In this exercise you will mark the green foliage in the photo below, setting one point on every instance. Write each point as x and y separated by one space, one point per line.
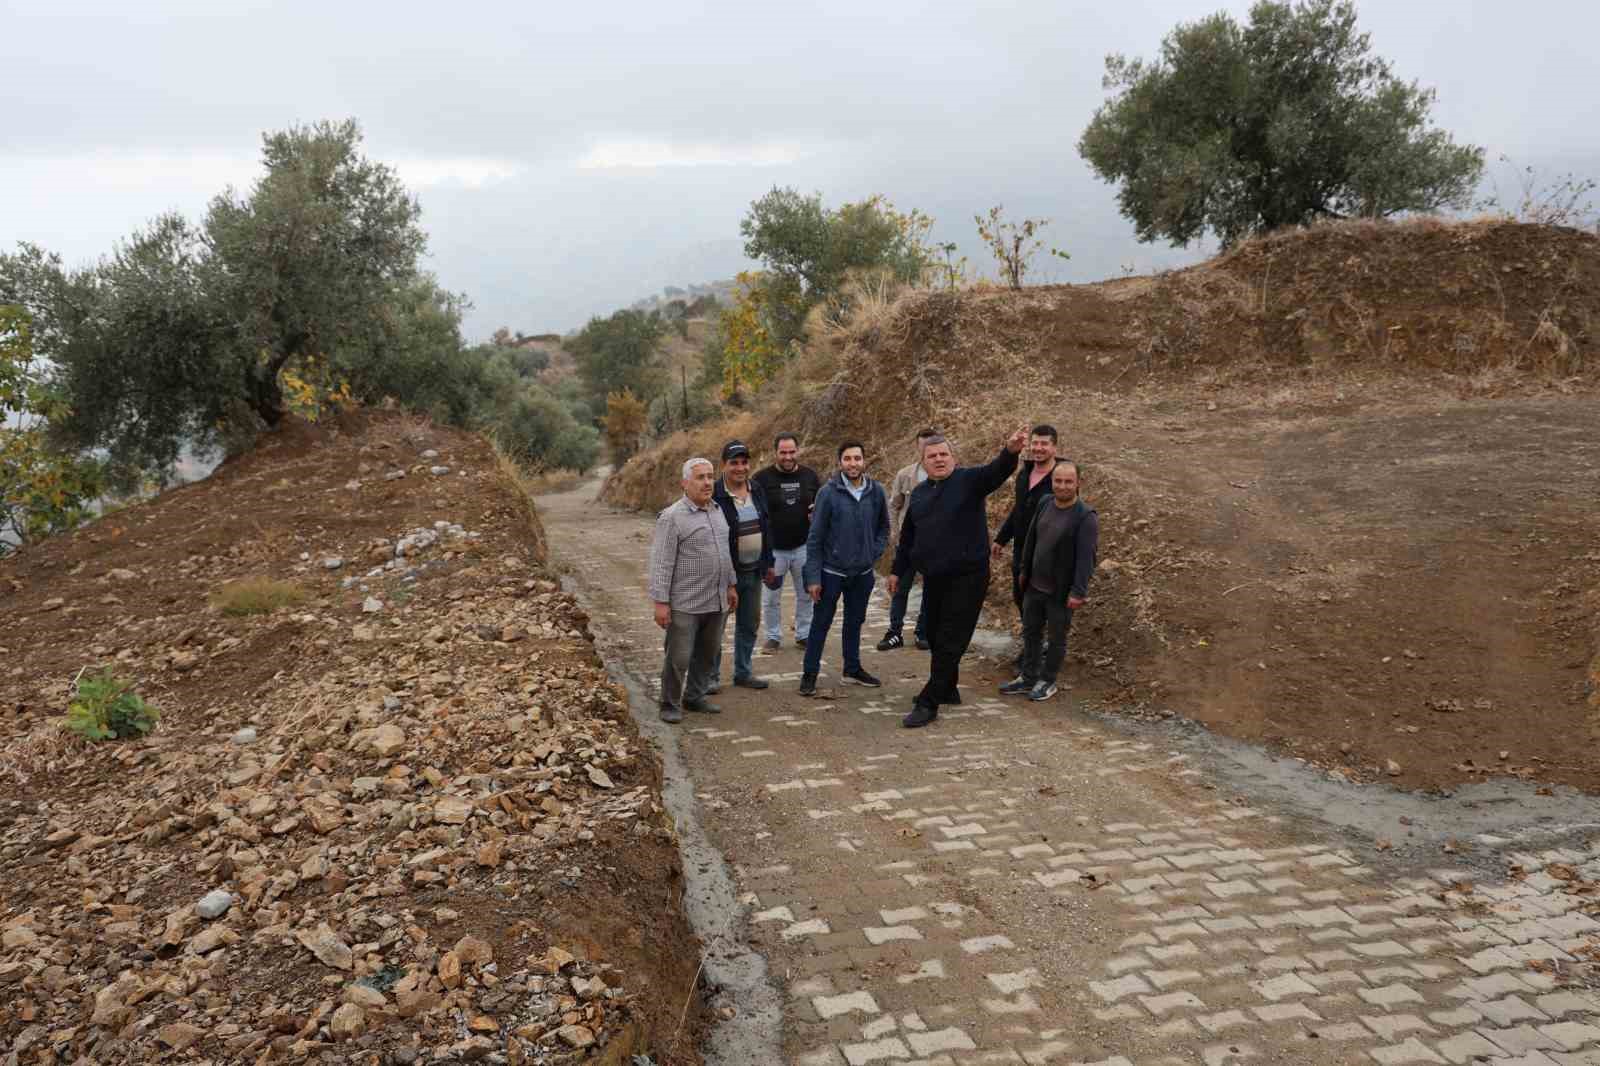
810 250
538 430
1241 129
1013 244
43 489
618 352
107 708
182 334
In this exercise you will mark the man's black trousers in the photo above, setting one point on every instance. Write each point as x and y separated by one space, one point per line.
953 605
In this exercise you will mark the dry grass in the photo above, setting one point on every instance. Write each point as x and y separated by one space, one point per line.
523 487
257 595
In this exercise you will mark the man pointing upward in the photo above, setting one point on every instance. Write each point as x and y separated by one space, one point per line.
945 537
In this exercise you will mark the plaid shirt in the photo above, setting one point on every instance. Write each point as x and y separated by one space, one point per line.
690 567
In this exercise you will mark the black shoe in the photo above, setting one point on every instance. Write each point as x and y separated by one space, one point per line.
750 682
773 644
1017 686
800 642
1042 691
671 715
861 677
890 642
922 644
808 684
714 689
921 714
701 707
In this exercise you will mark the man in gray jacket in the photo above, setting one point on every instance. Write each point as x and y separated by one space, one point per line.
693 584
849 530
1058 559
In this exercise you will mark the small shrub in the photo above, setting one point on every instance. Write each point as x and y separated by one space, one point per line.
257 595
107 708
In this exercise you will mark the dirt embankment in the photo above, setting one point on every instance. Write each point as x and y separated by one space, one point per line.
1348 479
407 817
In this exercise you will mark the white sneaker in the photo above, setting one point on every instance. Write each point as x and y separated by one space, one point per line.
1042 691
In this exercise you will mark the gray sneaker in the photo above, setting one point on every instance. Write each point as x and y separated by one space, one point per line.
1042 691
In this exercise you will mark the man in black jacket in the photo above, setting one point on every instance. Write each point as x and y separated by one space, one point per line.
790 490
945 537
744 505
1032 486
1058 560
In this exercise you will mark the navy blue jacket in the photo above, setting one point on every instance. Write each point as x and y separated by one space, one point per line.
946 531
730 511
847 535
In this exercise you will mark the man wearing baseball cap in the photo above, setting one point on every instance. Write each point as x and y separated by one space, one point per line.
744 506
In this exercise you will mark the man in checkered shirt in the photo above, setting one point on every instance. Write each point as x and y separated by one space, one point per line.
692 582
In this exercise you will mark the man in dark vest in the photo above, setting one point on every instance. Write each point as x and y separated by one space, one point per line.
1032 487
744 507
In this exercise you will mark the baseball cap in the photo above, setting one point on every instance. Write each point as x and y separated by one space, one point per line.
733 449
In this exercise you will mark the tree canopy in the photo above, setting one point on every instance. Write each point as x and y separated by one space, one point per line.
1242 129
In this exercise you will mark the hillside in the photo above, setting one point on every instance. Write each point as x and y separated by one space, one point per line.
416 799
1349 481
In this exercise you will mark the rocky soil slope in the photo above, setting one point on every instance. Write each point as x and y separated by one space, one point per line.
405 819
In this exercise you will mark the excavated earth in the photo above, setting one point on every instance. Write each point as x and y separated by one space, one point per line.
422 821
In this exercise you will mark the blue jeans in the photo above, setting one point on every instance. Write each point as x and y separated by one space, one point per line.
789 561
901 600
856 591
745 623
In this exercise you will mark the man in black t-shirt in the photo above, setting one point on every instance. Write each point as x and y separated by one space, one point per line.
790 490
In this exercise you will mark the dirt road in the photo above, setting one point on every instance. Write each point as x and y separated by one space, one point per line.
1025 883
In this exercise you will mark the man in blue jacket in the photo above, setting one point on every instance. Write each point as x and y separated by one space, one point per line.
849 530
744 505
945 538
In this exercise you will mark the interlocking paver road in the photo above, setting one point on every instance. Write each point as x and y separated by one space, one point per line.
1022 884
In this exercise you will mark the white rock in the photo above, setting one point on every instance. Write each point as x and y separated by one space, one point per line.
437 470
214 904
371 605
247 735
332 562
431 453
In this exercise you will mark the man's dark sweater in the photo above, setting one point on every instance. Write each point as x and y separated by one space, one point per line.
1023 508
946 531
789 499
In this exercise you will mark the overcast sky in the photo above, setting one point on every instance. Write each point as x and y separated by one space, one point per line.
572 158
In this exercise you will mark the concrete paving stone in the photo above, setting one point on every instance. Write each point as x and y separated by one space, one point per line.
1383 975
1283 987
1520 1039
1159 1005
1181 950
1555 1004
1047 1052
1579 1058
928 970
1571 1035
828 1056
875 1051
1284 964
1164 979
1343 1031
1381 949
995 1057
1509 1011
832 1006
1323 960
934 1041
1111 991
1286 1012
885 934
1223 1020
1468 1047
1390 995
1022 1003
1122 1012
1412 1050
980 944
1392 1026
1167 933
879 1027
1123 963
1334 979
812 927
1233 924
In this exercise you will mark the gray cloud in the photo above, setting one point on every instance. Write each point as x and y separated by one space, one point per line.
126 110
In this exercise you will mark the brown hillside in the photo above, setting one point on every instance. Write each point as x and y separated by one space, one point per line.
1349 480
411 812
